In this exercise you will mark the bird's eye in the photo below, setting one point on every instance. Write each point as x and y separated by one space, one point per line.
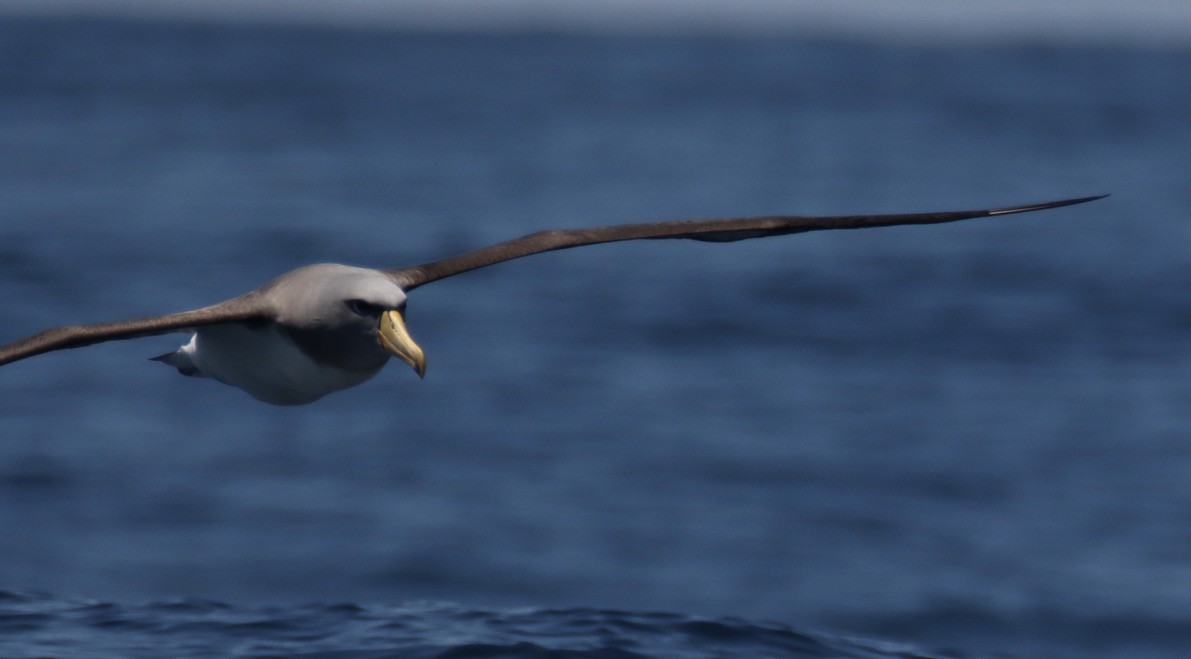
362 308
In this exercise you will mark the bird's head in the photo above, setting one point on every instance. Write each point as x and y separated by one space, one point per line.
347 316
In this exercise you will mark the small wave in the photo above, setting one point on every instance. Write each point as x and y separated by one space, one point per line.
43 625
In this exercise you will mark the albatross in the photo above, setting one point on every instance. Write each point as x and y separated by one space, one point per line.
325 327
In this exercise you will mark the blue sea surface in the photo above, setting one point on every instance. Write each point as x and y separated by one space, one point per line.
962 440
421 630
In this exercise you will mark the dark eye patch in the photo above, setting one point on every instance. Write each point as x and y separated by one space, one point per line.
362 308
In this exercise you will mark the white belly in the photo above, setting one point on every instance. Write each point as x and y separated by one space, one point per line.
267 365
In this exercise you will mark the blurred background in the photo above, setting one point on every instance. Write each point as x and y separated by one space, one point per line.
971 436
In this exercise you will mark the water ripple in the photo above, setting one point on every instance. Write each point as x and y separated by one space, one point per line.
38 625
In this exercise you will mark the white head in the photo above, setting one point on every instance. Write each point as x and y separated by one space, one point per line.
344 316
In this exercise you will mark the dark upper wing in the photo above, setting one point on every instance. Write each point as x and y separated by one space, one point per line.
719 230
244 308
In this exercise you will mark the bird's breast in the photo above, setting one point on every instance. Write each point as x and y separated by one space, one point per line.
272 366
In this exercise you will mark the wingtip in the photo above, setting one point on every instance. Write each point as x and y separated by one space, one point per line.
1048 204
1083 200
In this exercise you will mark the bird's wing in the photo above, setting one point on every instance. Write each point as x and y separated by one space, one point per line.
246 308
714 230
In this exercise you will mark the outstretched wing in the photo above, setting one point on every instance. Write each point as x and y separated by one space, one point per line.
246 308
716 230
253 306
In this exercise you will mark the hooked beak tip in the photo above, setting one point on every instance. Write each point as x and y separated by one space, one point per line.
395 339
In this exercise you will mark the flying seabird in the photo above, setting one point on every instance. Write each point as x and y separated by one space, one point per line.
326 327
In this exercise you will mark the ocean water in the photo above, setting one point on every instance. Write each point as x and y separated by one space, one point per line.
965 440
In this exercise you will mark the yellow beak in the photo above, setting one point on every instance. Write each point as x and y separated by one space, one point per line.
396 339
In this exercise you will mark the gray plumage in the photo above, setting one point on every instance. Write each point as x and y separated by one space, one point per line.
326 327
